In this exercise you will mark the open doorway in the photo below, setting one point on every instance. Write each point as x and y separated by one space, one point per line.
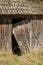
15 46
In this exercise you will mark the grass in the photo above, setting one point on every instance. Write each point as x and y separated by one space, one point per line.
32 58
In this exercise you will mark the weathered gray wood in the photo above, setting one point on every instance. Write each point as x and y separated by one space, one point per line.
22 35
37 34
29 35
5 36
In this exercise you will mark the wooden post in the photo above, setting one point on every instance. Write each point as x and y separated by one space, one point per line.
5 35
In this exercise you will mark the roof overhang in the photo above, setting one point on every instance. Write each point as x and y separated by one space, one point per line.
20 7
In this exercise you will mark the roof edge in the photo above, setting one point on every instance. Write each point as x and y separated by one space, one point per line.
18 15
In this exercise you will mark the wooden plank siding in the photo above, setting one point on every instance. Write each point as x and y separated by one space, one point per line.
37 34
28 34
5 36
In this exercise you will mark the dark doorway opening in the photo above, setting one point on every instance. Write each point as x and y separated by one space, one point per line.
15 46
16 20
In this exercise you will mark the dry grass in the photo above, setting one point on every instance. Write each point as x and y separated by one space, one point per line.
32 58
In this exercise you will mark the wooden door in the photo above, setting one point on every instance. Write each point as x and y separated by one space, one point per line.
21 32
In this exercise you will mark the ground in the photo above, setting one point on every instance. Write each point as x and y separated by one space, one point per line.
31 58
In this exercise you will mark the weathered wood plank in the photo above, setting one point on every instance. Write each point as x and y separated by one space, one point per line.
5 37
37 34
22 35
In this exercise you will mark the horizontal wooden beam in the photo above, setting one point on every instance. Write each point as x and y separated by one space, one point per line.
19 15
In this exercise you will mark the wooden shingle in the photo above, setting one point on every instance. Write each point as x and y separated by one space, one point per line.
20 7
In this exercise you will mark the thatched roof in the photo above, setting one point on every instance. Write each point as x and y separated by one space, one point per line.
21 7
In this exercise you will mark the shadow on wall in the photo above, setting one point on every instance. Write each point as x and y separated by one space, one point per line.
15 46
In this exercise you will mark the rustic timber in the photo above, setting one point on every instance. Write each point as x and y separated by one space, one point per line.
29 34
37 34
5 35
20 32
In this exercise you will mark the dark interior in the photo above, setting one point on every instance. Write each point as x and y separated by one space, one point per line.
15 46
16 20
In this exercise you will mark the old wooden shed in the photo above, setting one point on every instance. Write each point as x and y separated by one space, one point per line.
21 25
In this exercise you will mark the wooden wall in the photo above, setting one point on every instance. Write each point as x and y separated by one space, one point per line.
5 35
37 34
28 34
